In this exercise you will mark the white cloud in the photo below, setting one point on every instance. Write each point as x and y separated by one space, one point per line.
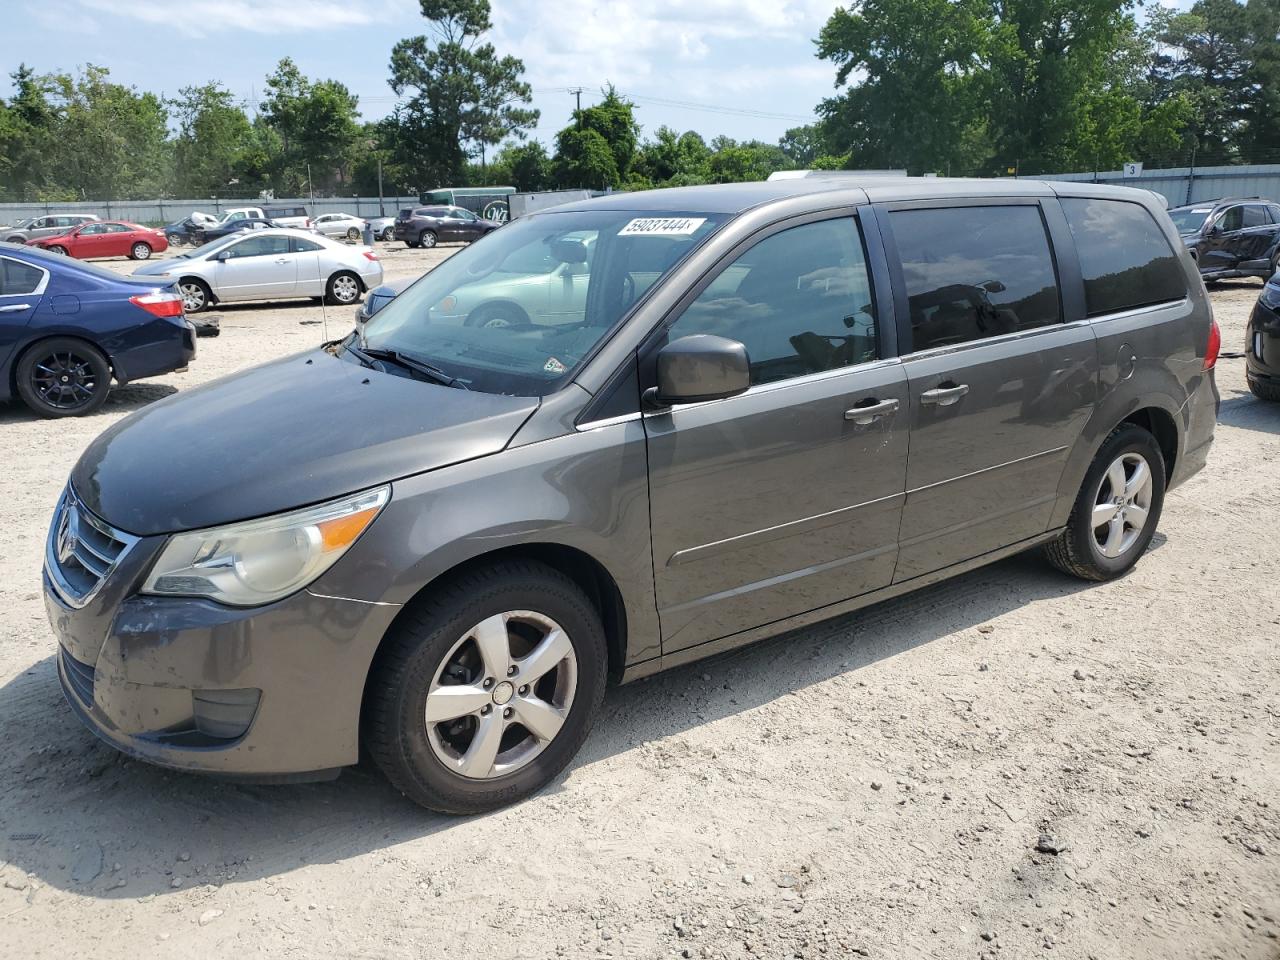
200 18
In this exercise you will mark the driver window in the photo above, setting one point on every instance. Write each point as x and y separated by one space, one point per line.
92 228
1232 219
799 300
975 272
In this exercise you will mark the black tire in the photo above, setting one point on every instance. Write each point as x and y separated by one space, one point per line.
1264 391
63 377
496 315
196 295
19 239
1076 550
60 251
388 234
428 239
413 244
343 289
140 251
395 726
353 234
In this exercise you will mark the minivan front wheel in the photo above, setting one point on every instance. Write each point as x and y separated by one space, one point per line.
485 692
1117 510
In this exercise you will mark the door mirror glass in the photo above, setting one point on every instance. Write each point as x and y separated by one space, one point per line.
701 367
569 250
222 255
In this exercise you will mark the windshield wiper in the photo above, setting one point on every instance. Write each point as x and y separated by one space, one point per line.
368 355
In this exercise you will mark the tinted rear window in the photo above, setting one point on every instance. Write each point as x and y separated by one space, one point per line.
1124 257
975 272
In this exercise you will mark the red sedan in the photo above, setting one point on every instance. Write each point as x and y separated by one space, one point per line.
110 238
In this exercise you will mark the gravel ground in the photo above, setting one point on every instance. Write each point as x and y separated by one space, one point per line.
1013 764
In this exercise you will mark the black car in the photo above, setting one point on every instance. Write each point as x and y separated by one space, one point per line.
1262 343
218 231
1231 237
183 231
427 226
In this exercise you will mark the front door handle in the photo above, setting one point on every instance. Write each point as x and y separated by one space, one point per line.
283 260
14 307
871 412
944 396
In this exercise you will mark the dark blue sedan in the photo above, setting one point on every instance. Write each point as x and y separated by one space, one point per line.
67 328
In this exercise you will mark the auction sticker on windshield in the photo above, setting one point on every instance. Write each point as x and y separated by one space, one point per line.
662 227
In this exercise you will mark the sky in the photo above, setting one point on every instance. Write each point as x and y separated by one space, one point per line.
742 68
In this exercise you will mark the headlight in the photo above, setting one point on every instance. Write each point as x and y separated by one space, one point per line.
1271 295
256 562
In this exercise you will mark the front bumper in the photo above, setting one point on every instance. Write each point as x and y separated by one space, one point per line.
193 685
1262 345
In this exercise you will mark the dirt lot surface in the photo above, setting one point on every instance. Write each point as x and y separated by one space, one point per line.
891 784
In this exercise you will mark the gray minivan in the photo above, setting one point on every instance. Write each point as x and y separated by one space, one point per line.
437 537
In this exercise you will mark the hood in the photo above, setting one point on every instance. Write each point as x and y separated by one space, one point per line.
287 434
50 238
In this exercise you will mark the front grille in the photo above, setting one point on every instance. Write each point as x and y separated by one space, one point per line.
82 550
79 677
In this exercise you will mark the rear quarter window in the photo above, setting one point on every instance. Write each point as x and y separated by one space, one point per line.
1125 260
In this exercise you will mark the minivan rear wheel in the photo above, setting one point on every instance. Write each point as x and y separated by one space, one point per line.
1117 510
483 693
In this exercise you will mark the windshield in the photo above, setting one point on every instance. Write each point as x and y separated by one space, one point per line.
207 248
517 312
1191 219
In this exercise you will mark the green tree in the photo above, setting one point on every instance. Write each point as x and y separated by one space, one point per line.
802 145
614 119
672 158
528 165
112 141
463 96
213 135
318 127
920 100
584 160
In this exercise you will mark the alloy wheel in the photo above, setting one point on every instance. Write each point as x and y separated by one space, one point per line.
65 380
1122 504
501 694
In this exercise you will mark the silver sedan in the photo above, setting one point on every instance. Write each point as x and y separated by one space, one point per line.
339 225
274 264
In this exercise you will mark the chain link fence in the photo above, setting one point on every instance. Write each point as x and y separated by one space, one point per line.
159 212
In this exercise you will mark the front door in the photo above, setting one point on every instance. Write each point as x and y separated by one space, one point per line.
257 268
1000 387
788 497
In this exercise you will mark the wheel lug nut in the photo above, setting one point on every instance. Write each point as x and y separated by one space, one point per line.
486 709
488 682
511 670
507 713
524 690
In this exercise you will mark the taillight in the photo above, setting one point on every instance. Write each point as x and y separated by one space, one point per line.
1213 346
308 223
159 304
370 255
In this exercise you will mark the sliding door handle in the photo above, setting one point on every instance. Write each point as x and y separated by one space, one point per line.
871 412
944 396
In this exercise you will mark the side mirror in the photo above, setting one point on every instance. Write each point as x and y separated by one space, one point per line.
569 250
222 255
700 367
1215 230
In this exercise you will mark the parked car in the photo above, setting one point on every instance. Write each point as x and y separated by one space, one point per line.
112 238
187 230
1262 343
225 228
379 297
339 225
384 228
427 226
288 215
1231 238
33 228
784 401
275 264
67 328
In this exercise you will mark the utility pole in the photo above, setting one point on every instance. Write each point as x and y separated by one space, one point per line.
381 211
577 113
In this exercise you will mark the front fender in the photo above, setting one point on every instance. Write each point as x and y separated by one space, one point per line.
586 490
